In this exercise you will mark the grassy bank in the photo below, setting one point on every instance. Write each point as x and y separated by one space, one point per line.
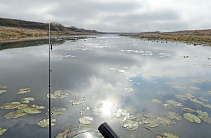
196 37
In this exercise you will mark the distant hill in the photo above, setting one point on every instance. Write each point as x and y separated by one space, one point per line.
38 25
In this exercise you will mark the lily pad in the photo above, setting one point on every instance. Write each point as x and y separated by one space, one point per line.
59 94
2 130
27 99
15 114
2 91
167 106
131 109
30 110
169 135
22 106
173 115
38 106
76 102
174 103
156 101
197 102
202 99
165 121
3 86
45 122
205 118
201 113
130 124
57 111
209 92
86 120
192 118
161 93
154 123
181 97
23 90
187 109
12 105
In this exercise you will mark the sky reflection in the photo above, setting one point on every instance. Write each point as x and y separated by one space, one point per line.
111 72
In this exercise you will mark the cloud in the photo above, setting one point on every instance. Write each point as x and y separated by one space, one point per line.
114 15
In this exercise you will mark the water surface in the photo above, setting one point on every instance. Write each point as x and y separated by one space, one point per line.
111 72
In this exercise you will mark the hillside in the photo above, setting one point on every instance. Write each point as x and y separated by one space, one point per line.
15 30
196 37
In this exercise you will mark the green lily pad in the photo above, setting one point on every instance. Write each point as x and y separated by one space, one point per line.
52 96
2 130
23 90
174 103
173 115
192 118
12 105
76 102
165 121
167 106
30 110
203 99
187 109
2 91
22 106
201 113
130 124
205 118
156 101
15 114
59 94
45 122
161 93
169 135
209 92
193 88
153 123
197 102
57 111
139 116
207 105
181 97
86 120
3 86
38 106
27 99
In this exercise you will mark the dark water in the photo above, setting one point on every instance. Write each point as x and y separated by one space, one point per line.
111 72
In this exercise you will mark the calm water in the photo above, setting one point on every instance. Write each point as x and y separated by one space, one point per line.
111 72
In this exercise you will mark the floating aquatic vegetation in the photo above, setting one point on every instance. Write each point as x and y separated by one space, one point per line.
38 106
4 86
2 91
202 99
169 135
197 102
207 105
153 122
192 118
130 124
76 102
45 122
181 97
161 93
2 130
22 106
30 110
59 94
201 113
118 113
187 109
167 106
57 111
173 115
86 120
156 101
174 103
15 114
23 90
193 88
12 105
139 116
201 81
27 99
209 92
189 96
165 121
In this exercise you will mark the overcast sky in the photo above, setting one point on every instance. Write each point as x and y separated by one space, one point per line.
114 15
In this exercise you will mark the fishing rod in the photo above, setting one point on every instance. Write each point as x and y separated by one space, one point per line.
49 71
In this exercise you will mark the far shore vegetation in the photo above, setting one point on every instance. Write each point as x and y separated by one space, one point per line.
195 37
18 30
